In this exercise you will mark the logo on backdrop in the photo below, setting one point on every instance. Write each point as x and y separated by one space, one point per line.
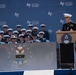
50 13
2 5
20 56
34 22
62 21
67 3
33 5
16 14
66 39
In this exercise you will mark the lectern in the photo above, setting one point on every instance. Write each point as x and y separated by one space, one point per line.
66 40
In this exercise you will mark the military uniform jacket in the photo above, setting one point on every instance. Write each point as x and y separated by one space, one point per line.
69 26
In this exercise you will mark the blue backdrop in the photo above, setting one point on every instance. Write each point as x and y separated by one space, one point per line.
49 12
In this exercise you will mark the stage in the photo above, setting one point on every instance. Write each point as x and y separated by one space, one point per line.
41 72
34 53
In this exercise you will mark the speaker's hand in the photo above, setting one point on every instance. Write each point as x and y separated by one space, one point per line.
71 29
59 30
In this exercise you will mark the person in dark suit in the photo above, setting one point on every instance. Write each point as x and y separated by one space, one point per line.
67 50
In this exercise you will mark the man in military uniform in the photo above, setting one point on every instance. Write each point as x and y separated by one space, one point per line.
69 25
5 28
23 31
35 40
9 31
30 26
21 38
18 28
13 39
67 50
1 40
41 38
35 30
6 39
46 33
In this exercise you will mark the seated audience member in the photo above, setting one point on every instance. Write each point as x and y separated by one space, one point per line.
21 38
29 32
46 34
1 33
35 40
13 39
23 31
26 38
18 28
5 27
6 39
41 38
35 30
10 31
30 26
1 40
15 33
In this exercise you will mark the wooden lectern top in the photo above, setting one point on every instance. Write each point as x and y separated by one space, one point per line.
67 32
59 34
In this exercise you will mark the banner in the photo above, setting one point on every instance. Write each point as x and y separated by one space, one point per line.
28 56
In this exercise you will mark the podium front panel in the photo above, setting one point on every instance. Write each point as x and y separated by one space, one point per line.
66 53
